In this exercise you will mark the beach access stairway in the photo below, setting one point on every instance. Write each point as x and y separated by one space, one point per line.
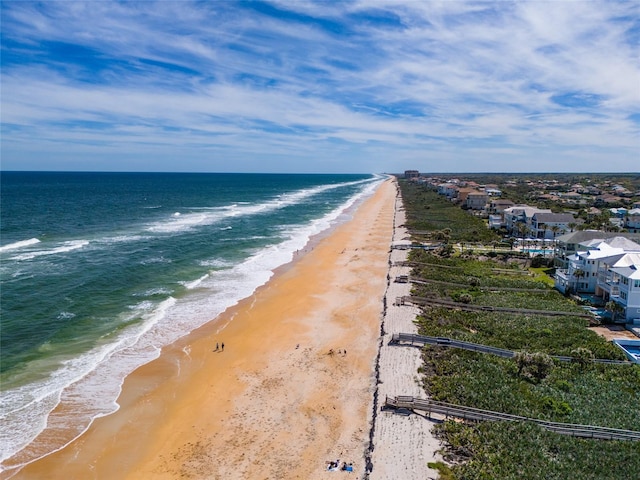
501 271
421 340
424 281
407 404
411 299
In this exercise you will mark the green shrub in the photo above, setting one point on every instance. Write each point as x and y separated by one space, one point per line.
556 406
533 366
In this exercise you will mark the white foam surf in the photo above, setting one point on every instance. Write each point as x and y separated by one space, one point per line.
21 244
91 383
64 247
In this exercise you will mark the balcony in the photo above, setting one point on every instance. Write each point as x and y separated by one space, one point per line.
608 279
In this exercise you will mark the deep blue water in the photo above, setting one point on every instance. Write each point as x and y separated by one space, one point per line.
100 270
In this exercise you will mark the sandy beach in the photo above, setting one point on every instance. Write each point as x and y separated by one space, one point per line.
402 446
294 386
292 389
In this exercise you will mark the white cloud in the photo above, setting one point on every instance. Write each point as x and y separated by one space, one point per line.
469 80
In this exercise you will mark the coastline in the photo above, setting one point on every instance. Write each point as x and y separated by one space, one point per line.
275 403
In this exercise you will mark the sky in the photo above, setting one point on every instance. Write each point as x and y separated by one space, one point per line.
321 86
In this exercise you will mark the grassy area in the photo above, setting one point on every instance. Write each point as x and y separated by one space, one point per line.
517 451
428 211
531 385
543 274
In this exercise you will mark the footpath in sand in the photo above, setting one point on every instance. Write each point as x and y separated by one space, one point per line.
402 445
276 404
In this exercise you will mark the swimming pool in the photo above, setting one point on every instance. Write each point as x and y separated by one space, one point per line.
538 251
631 348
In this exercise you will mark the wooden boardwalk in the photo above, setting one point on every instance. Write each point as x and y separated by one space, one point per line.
425 281
410 299
408 403
413 339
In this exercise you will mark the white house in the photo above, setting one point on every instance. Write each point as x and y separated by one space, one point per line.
520 214
549 225
619 281
581 274
450 190
570 243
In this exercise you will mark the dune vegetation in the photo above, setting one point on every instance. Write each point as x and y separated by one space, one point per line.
532 384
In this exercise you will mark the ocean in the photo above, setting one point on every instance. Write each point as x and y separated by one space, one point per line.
99 271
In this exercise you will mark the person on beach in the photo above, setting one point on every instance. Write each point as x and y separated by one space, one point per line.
217 347
223 346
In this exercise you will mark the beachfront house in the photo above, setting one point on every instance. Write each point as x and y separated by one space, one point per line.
517 219
581 274
570 243
619 282
549 225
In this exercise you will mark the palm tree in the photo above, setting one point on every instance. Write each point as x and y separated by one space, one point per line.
523 230
555 229
578 273
614 308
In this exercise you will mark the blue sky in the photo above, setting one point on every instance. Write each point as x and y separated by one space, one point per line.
308 86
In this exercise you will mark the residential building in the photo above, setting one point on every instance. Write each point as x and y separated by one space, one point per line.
449 190
570 243
499 205
581 273
495 222
520 215
477 200
632 221
549 225
619 281
463 193
618 212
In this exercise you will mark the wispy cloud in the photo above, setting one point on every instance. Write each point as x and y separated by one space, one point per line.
317 86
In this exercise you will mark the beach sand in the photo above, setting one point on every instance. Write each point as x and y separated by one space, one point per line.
275 403
402 445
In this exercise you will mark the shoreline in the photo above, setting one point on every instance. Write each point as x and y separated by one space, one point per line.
275 403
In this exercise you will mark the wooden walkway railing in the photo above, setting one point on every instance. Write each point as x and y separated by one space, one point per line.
410 299
413 339
426 281
476 414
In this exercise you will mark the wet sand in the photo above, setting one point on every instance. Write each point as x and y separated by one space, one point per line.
276 403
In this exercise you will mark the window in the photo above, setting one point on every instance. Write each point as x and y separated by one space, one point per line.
623 295
636 284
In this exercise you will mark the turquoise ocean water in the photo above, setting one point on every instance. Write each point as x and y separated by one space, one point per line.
99 271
